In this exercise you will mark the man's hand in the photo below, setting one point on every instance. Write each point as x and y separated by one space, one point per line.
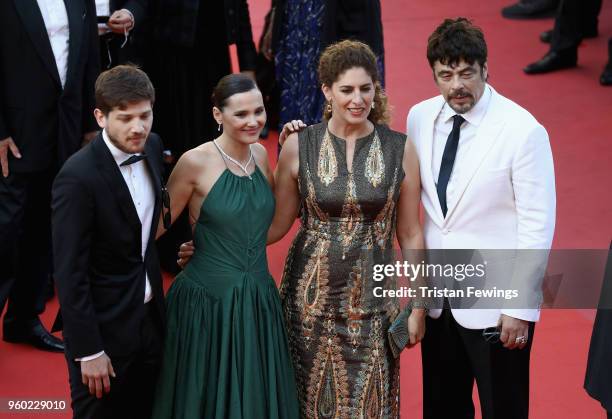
514 332
6 145
88 137
289 128
185 253
416 326
121 21
95 375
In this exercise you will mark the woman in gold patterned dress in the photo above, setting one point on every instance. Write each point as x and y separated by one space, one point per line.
358 185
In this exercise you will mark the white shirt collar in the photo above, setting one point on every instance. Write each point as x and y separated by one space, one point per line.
473 116
119 155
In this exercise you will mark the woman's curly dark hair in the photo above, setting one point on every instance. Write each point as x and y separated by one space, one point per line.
344 55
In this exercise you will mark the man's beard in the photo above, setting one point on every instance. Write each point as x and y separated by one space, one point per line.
465 107
121 146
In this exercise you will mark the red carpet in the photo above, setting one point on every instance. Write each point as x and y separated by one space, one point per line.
570 104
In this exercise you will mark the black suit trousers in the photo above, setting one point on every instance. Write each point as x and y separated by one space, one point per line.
133 389
25 243
575 19
453 357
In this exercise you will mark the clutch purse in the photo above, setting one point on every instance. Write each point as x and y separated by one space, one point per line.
398 332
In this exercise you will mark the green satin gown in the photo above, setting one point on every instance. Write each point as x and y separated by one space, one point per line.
226 352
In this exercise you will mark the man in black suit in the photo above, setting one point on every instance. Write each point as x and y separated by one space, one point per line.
49 61
106 204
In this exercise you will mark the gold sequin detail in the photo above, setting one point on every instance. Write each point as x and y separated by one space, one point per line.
328 392
384 223
318 219
328 164
352 217
313 289
373 383
375 164
354 310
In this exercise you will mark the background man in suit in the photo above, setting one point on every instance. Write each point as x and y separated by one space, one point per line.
49 61
575 20
106 207
488 183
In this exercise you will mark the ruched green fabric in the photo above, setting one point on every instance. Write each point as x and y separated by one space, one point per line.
226 352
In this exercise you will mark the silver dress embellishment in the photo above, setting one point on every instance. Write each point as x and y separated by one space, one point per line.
328 165
375 164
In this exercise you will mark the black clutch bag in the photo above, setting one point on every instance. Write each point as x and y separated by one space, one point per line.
398 332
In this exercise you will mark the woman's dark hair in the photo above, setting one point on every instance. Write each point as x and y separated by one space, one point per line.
121 85
229 86
455 40
344 55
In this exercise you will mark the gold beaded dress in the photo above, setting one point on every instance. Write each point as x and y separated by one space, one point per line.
337 327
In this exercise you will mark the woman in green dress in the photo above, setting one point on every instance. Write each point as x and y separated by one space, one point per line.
358 185
226 352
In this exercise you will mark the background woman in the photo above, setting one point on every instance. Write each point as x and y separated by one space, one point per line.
300 30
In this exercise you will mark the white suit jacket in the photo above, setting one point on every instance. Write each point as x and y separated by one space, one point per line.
505 192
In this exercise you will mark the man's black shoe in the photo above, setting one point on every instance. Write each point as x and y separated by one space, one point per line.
553 61
33 334
531 9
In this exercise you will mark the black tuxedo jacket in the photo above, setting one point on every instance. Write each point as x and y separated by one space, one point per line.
175 22
99 270
46 121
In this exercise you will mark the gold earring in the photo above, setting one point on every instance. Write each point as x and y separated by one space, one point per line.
329 106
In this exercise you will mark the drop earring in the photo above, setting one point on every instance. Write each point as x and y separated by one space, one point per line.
373 105
219 127
329 106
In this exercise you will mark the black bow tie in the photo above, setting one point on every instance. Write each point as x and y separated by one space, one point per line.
134 159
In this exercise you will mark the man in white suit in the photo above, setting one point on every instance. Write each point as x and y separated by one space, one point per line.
488 183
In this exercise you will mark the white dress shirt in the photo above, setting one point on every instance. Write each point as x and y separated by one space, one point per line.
56 22
138 181
442 128
102 7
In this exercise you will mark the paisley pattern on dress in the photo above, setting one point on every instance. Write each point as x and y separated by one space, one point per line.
375 164
329 391
328 165
337 328
351 218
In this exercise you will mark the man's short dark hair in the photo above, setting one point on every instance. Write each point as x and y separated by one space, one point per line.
455 40
122 85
